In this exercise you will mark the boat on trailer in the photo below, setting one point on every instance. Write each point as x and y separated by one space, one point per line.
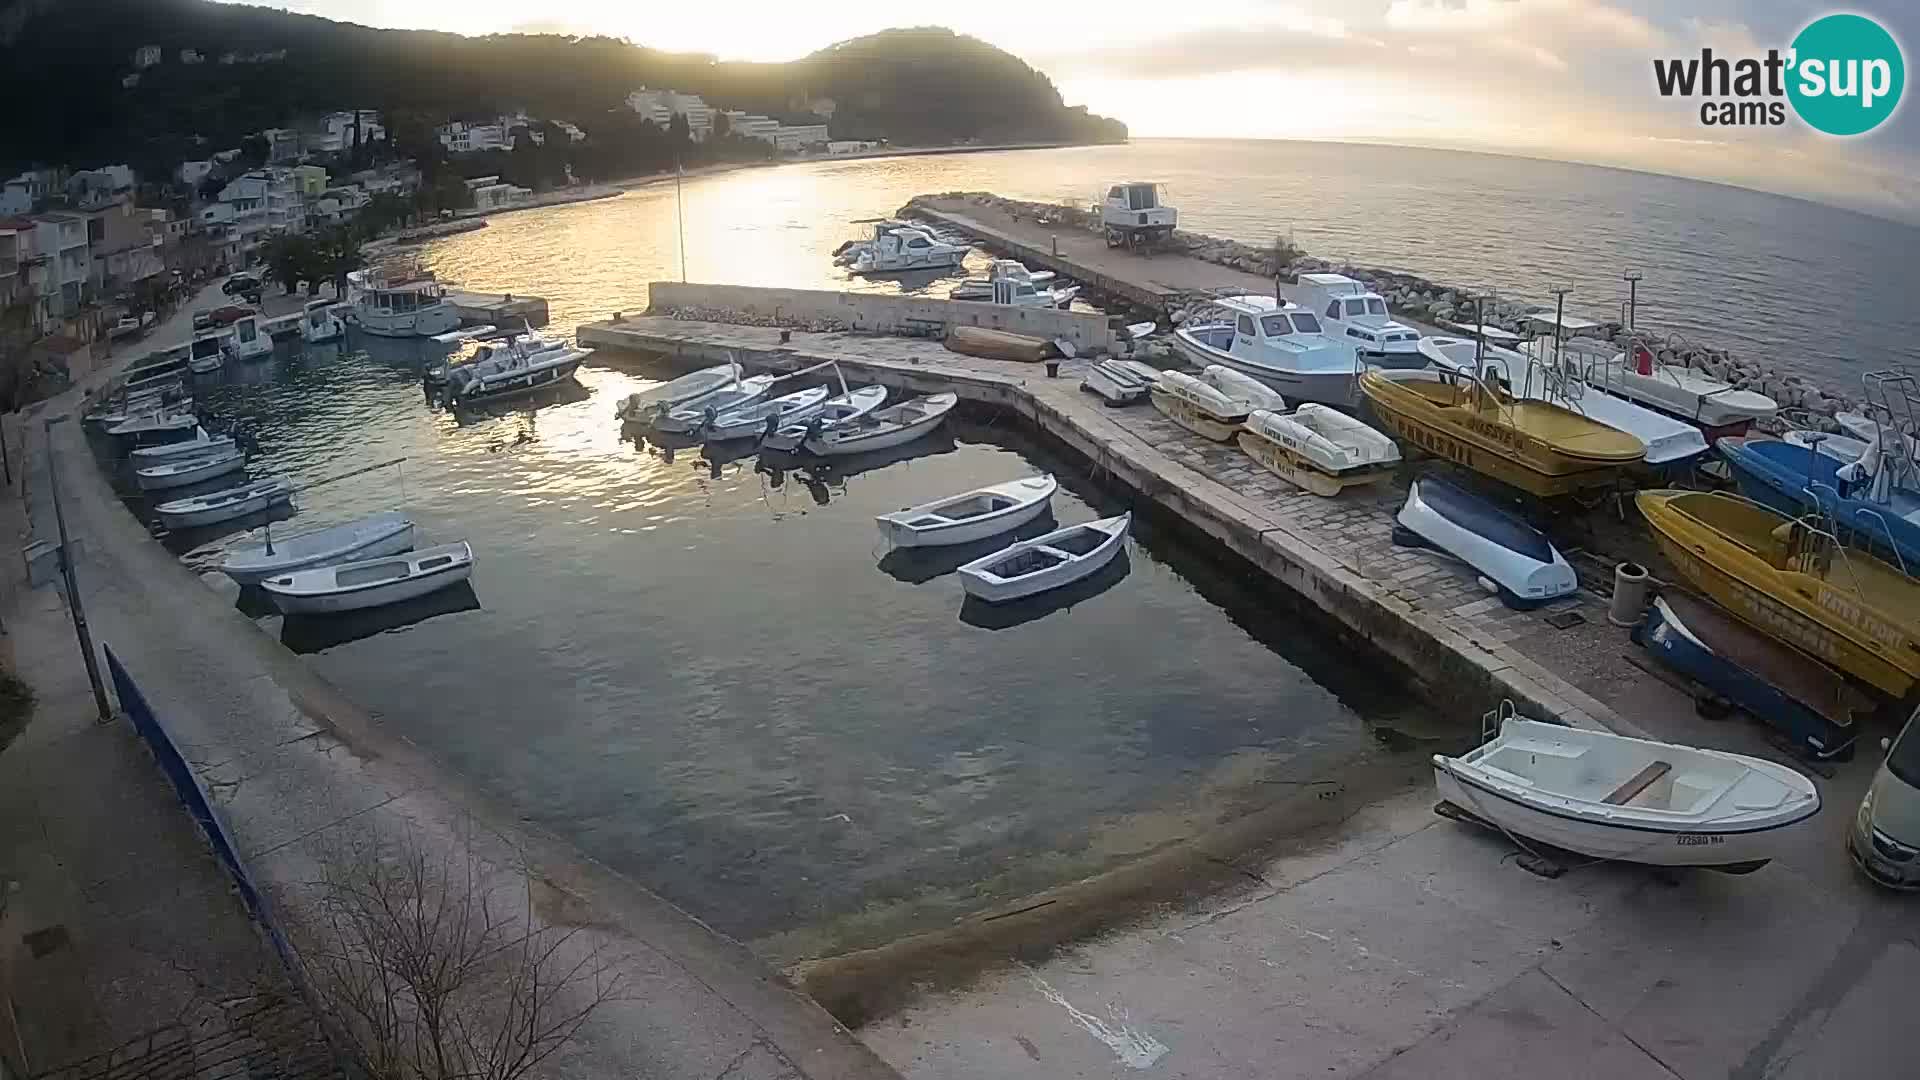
974 515
1622 799
842 409
1199 407
368 583
1320 449
884 429
1058 558
1350 310
1519 559
380 534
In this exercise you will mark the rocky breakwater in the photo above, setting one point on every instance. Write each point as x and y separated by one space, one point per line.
1418 299
742 318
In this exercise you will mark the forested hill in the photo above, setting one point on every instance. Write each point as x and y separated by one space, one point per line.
64 63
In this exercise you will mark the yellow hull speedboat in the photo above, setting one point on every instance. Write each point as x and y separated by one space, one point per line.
1536 446
1793 583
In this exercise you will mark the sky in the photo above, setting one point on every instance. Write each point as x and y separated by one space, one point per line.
1568 79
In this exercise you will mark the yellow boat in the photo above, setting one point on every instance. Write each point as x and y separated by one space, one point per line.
1536 446
1789 579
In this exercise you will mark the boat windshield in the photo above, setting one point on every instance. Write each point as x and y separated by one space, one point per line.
1305 323
205 347
1275 325
1903 760
1376 306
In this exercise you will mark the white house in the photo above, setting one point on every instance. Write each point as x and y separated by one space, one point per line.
254 205
62 240
496 196
190 173
337 204
190 56
792 139
335 133
661 106
472 138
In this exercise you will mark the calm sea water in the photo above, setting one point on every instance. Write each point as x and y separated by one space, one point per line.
1818 291
708 672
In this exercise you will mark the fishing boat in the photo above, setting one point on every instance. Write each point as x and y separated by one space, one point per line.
688 389
1783 688
371 537
1791 579
1876 513
697 414
1282 346
218 506
210 350
1245 388
1120 382
767 415
1318 448
512 373
975 515
368 583
1011 284
201 444
1608 796
401 302
1058 558
1715 404
834 412
1535 446
883 429
319 325
181 472
249 341
1517 558
1350 310
906 249
1198 407
847 252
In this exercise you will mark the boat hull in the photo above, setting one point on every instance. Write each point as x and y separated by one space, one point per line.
391 542
1335 388
1303 471
395 592
846 440
518 386
1516 557
186 477
969 530
995 590
426 322
1195 419
227 512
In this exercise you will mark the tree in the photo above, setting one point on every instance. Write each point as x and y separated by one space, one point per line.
288 257
254 150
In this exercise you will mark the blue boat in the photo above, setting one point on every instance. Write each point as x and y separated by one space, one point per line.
1804 700
1797 480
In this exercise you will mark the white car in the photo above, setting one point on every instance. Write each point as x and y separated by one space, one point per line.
1885 839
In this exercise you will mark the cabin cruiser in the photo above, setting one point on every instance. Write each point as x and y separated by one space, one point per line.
846 253
209 350
408 304
1284 346
1351 310
318 323
250 342
907 248
1009 282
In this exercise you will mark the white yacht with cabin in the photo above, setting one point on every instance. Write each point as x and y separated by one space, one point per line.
1349 309
400 304
1011 283
906 249
318 323
1282 345
250 341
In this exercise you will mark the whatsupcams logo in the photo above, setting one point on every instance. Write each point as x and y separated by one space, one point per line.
1842 75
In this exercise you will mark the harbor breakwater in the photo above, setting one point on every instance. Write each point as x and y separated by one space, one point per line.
1417 298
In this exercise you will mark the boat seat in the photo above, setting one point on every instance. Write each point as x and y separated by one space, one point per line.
1638 783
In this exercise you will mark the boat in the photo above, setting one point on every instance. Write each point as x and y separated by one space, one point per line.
158 366
370 537
368 583
1789 578
1011 284
1876 513
1242 387
225 505
1318 448
159 424
510 371
1198 407
201 443
464 333
1535 446
905 249
991 344
406 302
767 415
523 345
1350 310
883 429
209 350
975 515
1120 382
1283 346
685 390
1058 558
283 326
1608 796
695 414
249 342
181 472
846 253
833 412
1715 404
319 325
1867 428
1844 449
1517 558
1787 690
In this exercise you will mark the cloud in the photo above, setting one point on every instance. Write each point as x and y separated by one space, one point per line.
1558 19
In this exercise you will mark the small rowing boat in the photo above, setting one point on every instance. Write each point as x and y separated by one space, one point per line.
370 583
181 472
685 390
225 505
1319 448
1198 407
201 443
380 534
1058 558
885 428
766 416
698 413
834 412
975 515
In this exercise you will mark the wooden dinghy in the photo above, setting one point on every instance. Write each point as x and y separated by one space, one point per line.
370 582
834 412
885 428
1058 558
974 515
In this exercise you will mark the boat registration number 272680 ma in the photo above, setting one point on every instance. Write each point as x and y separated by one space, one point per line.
1698 839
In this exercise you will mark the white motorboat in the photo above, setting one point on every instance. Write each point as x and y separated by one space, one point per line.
159 423
1351 310
1058 558
249 341
907 249
1198 407
201 444
1691 395
846 253
885 428
382 534
1121 382
225 505
1608 796
498 352
694 415
1012 284
1318 448
834 412
465 333
766 416
688 389
1518 558
209 350
1283 347
401 303
982 288
1256 394
181 472
319 325
975 515
367 583
511 373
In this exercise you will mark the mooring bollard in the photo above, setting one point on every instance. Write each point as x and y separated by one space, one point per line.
1056 245
1053 369
786 336
1630 582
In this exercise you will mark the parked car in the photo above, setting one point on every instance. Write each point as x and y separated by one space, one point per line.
1885 840
240 284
